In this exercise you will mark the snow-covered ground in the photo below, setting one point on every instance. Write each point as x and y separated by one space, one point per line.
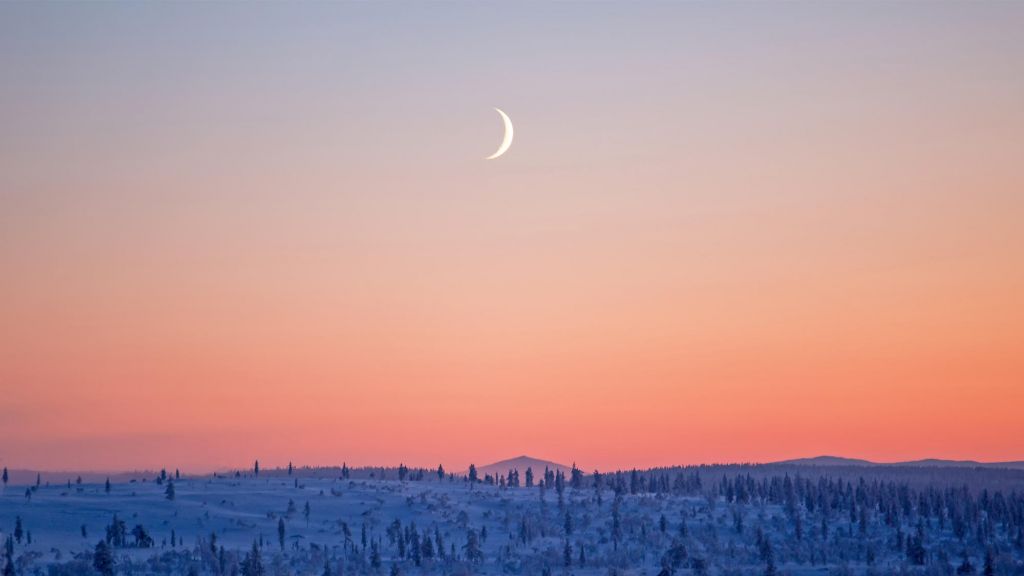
520 530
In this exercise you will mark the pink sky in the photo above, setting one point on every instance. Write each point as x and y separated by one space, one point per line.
723 233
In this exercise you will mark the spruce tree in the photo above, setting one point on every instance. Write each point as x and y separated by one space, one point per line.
103 559
374 555
253 564
427 547
472 547
768 555
8 557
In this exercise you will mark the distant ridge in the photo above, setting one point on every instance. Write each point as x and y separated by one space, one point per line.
924 463
521 463
828 461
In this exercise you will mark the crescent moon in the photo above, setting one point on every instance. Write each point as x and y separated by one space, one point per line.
507 140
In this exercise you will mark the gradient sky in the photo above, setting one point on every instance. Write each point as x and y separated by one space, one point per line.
724 232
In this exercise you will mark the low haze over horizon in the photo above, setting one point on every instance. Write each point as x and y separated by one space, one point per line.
728 232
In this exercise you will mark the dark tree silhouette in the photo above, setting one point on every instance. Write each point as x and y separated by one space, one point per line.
103 559
253 563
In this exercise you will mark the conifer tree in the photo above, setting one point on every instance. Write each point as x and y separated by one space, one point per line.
769 560
103 559
990 568
374 555
8 557
253 563
427 547
472 547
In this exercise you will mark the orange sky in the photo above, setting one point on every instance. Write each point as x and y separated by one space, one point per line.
723 233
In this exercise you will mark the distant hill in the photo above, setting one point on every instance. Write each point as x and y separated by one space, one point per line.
521 463
1015 465
828 461
924 463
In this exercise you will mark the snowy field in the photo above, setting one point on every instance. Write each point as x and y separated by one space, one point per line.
431 526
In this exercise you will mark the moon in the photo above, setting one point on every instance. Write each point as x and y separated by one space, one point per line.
507 140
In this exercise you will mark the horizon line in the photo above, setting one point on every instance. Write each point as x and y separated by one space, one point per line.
491 463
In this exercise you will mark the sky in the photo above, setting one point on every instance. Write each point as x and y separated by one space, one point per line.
723 232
